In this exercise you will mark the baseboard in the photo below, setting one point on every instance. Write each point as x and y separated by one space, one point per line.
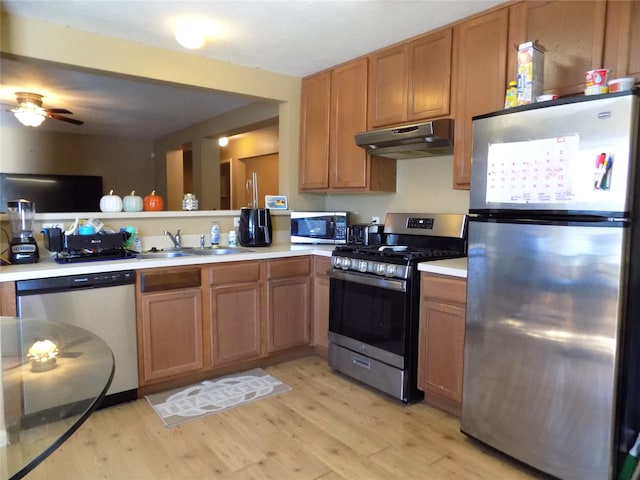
272 359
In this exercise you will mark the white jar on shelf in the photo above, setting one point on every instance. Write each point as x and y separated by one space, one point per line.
189 202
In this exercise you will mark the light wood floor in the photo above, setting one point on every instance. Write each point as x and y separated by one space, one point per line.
327 428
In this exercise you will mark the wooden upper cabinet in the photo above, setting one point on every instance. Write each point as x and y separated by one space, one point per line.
334 109
388 82
430 75
571 34
480 76
410 81
348 162
314 132
622 39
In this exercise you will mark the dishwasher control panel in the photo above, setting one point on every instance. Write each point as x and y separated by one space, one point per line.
71 282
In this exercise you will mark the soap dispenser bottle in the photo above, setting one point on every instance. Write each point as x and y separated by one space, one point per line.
215 234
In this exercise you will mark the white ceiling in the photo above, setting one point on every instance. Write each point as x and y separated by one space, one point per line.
291 37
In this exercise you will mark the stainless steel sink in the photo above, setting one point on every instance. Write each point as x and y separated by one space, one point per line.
190 251
163 254
218 251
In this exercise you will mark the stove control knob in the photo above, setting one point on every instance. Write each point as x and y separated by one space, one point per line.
390 271
362 266
380 268
346 263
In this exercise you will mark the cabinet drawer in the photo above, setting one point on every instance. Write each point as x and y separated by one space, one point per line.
234 272
451 289
294 267
172 279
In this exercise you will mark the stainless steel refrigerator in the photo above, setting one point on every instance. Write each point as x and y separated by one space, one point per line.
552 337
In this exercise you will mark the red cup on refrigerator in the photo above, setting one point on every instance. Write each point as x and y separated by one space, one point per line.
596 81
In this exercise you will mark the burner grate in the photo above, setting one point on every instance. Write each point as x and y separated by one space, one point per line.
79 257
399 252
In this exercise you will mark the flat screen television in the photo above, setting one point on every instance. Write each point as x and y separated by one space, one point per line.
52 193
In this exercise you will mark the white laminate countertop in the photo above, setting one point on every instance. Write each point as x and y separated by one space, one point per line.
455 267
47 267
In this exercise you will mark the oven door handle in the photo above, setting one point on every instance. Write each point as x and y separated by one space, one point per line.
369 280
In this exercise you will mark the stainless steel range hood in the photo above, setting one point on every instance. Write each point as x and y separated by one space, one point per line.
426 139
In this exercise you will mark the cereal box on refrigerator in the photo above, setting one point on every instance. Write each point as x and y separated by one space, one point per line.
530 72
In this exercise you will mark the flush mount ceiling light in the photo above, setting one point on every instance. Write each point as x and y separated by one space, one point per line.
192 33
29 111
223 141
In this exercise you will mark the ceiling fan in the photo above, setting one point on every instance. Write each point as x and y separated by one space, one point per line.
30 112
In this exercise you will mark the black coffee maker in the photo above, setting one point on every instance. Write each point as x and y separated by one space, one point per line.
255 227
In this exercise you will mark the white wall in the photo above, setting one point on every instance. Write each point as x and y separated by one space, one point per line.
44 41
424 185
124 164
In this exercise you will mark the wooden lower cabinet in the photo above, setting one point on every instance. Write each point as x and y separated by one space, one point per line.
288 303
441 340
8 299
233 312
320 316
169 310
197 322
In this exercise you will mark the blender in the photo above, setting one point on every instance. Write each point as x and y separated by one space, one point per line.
23 247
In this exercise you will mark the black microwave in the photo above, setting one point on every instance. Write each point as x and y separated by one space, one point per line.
319 227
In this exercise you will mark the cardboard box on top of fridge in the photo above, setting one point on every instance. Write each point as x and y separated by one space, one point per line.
530 72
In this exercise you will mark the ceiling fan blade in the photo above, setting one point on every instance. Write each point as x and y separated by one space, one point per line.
58 110
64 119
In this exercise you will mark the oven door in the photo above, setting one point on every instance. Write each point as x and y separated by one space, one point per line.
369 315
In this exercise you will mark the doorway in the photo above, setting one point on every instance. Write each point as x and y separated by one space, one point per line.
225 184
267 172
179 175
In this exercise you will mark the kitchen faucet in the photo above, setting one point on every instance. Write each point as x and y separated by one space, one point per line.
177 240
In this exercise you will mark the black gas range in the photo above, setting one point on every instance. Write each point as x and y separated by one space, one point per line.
374 299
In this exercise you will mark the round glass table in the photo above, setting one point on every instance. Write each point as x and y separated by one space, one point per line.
53 376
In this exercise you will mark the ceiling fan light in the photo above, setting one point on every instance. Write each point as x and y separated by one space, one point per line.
28 117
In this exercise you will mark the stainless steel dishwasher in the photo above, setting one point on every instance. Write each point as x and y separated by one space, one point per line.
104 304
